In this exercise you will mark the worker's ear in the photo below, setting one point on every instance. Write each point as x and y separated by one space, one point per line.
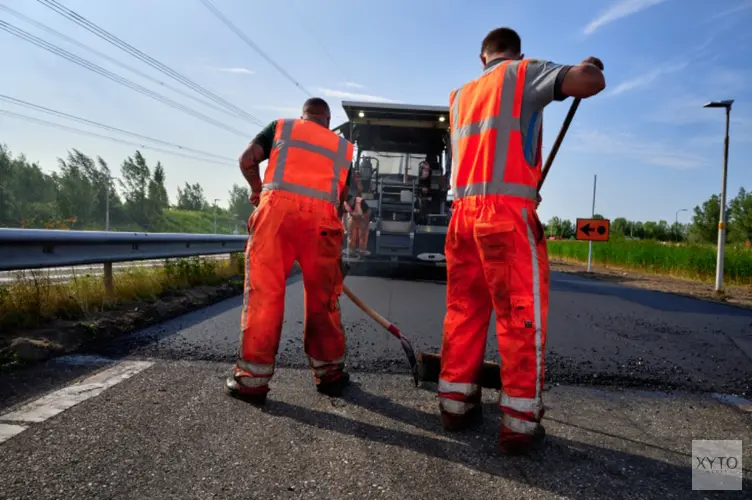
483 60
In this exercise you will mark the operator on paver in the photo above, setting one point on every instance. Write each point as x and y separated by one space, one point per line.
298 219
358 223
495 248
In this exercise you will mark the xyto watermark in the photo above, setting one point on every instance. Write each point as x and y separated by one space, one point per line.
716 465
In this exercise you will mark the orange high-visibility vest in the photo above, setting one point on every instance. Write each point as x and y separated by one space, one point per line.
487 150
308 159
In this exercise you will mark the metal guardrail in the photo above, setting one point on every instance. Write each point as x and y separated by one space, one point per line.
42 248
22 249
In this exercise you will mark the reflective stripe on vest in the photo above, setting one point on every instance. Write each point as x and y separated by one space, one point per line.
505 122
278 160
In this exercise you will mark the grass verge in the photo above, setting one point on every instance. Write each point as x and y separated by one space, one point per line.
41 318
695 262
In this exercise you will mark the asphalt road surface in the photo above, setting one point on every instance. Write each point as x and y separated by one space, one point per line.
144 416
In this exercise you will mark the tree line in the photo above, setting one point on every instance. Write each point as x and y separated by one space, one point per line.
77 196
703 227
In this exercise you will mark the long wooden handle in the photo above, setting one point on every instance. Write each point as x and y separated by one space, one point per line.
366 309
559 139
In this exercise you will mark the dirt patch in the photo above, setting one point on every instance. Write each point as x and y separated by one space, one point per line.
63 337
733 295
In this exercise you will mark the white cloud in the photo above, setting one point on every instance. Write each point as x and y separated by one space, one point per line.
238 71
747 4
341 94
646 79
637 148
619 10
354 85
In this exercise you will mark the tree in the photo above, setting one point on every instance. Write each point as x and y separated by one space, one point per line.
157 200
740 213
619 226
192 198
240 207
135 182
704 227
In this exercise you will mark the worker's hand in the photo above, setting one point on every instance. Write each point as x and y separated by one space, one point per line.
595 62
254 199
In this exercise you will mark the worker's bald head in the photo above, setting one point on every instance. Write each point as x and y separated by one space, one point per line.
316 109
501 42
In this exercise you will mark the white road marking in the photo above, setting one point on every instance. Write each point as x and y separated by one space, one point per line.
59 401
7 431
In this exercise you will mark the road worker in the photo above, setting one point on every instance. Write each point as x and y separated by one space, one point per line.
297 219
358 224
495 248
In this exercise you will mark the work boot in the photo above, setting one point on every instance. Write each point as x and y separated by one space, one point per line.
334 388
470 420
522 444
252 395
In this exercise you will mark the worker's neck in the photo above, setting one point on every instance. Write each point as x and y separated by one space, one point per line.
501 55
316 119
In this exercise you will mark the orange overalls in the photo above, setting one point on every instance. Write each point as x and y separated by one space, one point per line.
496 255
357 225
296 220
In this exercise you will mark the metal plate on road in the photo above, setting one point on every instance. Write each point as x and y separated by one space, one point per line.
593 229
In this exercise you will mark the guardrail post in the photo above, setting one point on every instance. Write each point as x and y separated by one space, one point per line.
109 288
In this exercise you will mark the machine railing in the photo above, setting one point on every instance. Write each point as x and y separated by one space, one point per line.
22 249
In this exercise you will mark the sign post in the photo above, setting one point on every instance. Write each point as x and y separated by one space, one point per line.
592 230
590 244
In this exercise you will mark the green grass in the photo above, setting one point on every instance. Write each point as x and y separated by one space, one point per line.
680 260
35 299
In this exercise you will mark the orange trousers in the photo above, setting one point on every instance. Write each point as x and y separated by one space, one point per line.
358 229
496 261
285 228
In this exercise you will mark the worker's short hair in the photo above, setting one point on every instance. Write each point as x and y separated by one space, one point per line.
315 105
501 40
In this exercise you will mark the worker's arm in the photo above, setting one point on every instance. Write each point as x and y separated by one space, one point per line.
344 193
584 80
257 151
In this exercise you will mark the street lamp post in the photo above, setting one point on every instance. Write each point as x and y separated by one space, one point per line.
722 220
215 215
676 223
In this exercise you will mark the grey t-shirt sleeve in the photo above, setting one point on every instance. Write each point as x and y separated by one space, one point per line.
543 84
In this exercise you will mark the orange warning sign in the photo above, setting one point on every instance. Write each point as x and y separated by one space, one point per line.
593 229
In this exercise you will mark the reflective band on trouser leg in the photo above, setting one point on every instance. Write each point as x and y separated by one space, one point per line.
340 162
253 375
457 397
324 370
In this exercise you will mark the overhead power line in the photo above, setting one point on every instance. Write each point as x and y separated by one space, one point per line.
115 61
112 39
107 137
112 76
37 107
242 36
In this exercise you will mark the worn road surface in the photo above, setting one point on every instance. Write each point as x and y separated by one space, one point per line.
633 376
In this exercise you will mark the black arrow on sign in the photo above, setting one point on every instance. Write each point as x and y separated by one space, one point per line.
586 229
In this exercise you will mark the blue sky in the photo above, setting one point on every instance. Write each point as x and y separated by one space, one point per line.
654 148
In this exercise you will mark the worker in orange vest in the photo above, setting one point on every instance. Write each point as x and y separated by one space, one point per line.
298 218
358 222
495 248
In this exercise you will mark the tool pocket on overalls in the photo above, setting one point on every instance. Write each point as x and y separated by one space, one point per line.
496 240
330 237
521 315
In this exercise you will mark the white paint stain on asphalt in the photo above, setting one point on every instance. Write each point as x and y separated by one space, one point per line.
7 431
63 399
